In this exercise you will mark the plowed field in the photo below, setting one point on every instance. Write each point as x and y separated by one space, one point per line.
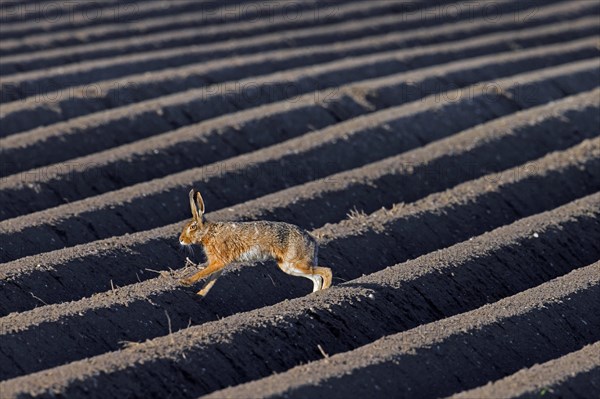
445 155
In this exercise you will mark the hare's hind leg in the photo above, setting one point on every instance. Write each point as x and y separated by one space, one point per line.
302 269
326 274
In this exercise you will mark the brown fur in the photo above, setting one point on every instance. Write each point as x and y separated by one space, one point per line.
294 250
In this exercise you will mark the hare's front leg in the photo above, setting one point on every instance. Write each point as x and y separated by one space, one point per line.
212 267
209 284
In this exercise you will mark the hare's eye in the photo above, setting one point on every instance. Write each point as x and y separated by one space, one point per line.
193 226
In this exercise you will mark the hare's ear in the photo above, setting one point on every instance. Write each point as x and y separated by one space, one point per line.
200 204
193 204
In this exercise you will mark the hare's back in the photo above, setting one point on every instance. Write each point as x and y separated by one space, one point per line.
282 240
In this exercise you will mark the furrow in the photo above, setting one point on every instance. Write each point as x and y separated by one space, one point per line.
161 56
183 30
395 235
109 128
430 288
570 376
444 155
14 13
124 24
54 88
343 146
464 350
212 141
77 272
65 19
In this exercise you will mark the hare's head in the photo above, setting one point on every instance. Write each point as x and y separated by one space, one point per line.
194 229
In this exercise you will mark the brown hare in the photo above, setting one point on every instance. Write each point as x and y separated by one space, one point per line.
294 250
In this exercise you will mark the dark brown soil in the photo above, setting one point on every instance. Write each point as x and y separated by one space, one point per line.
572 375
116 90
316 155
442 357
446 158
339 250
244 21
462 156
342 318
110 128
293 19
